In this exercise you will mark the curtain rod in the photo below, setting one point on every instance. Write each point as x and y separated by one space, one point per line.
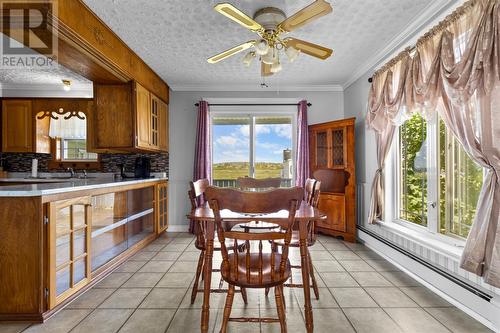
253 104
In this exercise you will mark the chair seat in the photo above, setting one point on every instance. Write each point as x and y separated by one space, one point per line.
268 280
259 225
295 241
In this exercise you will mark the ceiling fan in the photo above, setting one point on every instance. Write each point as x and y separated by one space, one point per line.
270 24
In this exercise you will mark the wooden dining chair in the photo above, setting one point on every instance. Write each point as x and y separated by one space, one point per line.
311 196
255 267
246 183
196 195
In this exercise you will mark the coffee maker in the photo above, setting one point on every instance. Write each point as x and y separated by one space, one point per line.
142 168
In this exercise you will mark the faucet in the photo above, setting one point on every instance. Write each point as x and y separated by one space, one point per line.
71 171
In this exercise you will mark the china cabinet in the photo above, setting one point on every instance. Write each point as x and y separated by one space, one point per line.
332 162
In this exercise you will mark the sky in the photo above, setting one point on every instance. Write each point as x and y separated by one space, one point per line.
231 143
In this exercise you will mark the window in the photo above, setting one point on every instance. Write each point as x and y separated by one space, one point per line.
413 171
259 145
460 180
76 150
69 144
438 184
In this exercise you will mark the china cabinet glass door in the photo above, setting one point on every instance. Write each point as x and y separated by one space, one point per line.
321 149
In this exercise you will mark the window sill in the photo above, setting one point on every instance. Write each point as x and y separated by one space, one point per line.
451 247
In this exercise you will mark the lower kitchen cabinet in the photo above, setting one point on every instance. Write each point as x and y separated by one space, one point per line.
57 246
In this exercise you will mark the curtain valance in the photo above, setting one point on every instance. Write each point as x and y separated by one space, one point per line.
453 61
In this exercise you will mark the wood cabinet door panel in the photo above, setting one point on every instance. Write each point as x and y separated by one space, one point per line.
321 149
111 125
69 247
17 126
161 200
163 126
333 206
143 116
338 148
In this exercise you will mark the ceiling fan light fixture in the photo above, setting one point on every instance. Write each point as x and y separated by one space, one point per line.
276 66
292 53
262 47
248 58
270 23
270 57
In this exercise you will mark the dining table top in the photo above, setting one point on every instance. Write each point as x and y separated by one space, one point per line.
305 212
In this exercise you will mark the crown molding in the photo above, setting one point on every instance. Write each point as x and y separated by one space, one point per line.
428 15
254 87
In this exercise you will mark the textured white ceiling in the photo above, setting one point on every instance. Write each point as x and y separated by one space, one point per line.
50 76
176 36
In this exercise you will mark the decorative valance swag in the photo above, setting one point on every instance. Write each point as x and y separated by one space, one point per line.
453 70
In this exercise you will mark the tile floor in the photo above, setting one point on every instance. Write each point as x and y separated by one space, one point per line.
360 292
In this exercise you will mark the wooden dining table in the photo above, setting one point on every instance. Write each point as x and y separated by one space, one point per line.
304 215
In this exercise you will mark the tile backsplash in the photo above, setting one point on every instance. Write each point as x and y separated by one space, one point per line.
21 162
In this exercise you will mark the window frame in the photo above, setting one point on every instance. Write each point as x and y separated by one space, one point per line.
392 182
253 111
57 163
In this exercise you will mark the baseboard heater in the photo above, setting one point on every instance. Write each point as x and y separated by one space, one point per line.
430 266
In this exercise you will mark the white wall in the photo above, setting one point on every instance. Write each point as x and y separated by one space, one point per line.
326 106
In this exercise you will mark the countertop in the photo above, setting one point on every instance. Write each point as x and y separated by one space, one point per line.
64 185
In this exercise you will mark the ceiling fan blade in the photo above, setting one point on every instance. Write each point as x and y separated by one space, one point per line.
265 69
238 16
308 14
230 52
311 49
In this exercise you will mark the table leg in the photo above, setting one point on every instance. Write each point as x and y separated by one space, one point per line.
205 313
304 258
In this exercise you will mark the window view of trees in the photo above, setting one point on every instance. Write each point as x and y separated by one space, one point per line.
413 178
460 179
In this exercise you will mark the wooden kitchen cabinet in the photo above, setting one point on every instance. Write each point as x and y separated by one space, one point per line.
57 246
143 112
332 162
69 246
163 127
21 131
161 202
128 118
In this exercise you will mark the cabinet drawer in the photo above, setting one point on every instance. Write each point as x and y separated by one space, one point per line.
333 205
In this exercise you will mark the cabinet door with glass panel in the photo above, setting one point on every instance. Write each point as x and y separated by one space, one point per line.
329 148
69 242
161 202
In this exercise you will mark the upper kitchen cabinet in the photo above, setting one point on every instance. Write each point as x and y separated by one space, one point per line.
22 132
128 117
